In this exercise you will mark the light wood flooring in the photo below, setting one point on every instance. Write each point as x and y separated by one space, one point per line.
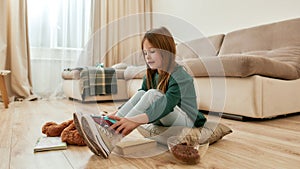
267 144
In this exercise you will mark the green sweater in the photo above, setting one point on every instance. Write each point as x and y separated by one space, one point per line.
180 92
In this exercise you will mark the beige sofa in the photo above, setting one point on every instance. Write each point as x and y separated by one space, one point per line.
252 72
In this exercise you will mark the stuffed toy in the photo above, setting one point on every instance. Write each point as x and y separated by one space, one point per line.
71 136
52 129
66 130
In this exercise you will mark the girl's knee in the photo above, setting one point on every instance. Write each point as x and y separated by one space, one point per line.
154 92
139 94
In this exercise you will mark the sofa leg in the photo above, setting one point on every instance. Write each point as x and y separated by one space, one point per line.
228 116
235 117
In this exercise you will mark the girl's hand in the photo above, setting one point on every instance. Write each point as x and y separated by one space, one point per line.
123 125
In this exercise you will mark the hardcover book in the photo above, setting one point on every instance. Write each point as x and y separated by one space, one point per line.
134 146
49 143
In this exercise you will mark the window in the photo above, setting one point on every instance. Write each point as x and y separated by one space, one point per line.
59 23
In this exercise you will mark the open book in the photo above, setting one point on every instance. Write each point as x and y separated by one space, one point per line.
49 143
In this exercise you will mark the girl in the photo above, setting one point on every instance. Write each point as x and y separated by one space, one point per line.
167 97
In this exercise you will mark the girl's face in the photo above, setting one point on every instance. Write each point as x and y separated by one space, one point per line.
152 55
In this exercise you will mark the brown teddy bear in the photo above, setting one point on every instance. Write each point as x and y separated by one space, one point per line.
66 130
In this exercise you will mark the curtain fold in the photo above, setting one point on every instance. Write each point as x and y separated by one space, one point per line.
15 52
117 30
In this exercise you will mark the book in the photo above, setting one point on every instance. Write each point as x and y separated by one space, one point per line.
134 146
49 143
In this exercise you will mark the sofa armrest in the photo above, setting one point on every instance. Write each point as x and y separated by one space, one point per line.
74 74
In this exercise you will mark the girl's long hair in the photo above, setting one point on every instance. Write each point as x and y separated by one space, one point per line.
161 39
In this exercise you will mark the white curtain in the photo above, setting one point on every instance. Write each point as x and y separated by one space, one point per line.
58 31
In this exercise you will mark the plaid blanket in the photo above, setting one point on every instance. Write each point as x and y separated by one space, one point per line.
98 81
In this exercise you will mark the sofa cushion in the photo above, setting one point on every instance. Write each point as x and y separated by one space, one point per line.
209 46
278 63
263 37
211 132
281 63
289 55
134 72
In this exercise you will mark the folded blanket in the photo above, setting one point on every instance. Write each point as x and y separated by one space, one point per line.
98 81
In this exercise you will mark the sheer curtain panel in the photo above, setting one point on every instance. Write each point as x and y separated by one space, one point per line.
59 30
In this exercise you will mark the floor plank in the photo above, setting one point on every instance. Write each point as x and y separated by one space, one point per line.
5 157
261 129
5 128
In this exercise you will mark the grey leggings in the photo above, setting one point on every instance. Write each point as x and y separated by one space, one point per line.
139 103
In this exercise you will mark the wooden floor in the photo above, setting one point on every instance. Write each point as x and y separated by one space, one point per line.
268 144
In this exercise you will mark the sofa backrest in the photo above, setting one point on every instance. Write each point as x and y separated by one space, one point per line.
205 46
262 38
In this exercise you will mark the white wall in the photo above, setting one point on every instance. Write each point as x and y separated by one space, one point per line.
220 16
